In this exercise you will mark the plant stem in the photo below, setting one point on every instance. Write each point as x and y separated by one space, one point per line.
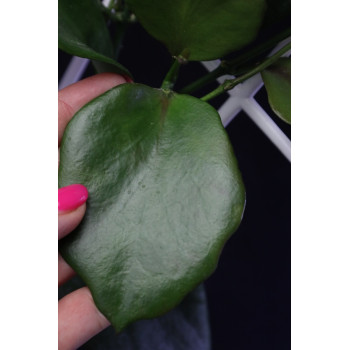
230 84
203 81
171 77
254 52
229 66
119 30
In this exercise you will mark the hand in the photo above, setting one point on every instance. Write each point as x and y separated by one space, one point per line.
78 318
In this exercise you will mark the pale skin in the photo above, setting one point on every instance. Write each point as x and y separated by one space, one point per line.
78 318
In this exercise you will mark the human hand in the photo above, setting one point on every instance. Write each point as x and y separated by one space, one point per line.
78 317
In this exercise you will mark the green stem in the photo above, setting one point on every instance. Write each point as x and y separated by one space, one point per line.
171 77
203 81
120 30
254 52
230 84
229 66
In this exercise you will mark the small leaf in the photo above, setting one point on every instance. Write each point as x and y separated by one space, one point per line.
201 30
165 193
82 32
278 86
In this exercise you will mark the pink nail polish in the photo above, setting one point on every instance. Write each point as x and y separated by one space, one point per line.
128 79
71 197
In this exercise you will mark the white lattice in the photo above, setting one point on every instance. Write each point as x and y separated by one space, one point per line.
242 98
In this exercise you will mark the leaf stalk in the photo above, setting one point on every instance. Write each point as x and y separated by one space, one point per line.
231 83
171 77
232 66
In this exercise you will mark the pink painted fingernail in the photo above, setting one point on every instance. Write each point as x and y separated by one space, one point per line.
71 197
128 79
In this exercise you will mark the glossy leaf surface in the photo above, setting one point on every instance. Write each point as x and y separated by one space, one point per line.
165 193
277 81
201 30
186 327
82 32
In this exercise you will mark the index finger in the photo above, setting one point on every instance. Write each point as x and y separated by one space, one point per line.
75 96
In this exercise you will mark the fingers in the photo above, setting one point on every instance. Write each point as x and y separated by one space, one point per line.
71 208
67 222
65 272
78 319
73 97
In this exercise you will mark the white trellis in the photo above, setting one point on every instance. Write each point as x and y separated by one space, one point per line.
240 98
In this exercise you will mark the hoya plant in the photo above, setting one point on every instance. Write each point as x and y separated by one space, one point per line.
165 189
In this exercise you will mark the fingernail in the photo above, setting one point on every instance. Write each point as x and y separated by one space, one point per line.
128 79
71 197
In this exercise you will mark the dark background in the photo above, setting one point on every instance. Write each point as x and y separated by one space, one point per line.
249 293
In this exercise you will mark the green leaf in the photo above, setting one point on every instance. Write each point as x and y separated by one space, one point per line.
82 32
201 30
165 193
278 86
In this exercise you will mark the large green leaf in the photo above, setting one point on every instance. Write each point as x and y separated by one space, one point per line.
201 30
278 85
82 32
165 193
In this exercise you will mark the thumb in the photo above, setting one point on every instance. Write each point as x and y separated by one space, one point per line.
71 208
